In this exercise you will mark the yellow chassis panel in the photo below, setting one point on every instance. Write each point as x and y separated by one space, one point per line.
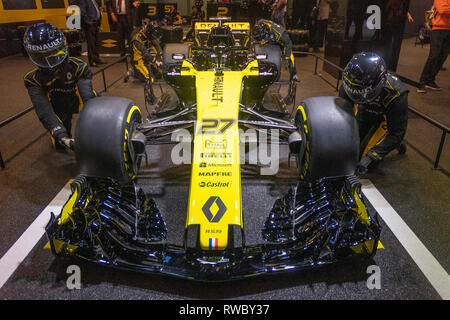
215 191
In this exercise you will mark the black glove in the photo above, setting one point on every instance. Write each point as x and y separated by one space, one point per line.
59 132
363 165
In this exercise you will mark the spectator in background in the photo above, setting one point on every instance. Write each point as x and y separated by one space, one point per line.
120 13
199 5
91 18
321 12
279 9
196 16
439 46
266 8
355 13
396 12
172 17
138 13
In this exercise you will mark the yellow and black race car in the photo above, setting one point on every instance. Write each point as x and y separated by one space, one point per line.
220 81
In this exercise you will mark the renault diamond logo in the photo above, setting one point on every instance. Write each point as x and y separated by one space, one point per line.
207 209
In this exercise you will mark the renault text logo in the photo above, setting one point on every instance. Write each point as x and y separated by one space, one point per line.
207 209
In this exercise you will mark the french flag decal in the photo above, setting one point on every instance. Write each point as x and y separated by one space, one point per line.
213 244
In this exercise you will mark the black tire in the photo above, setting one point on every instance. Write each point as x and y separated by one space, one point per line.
102 145
330 138
174 48
273 53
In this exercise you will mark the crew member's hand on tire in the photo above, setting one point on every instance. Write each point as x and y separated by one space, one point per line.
67 142
363 165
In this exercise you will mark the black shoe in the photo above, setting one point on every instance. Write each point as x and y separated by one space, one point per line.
93 64
433 86
422 89
288 100
98 61
150 99
402 148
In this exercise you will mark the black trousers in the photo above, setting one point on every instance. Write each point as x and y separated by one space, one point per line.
318 33
124 28
91 34
439 50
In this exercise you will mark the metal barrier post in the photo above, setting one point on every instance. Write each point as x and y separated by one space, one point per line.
315 69
2 163
441 146
104 80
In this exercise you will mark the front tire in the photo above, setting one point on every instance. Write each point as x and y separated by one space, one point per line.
330 138
103 134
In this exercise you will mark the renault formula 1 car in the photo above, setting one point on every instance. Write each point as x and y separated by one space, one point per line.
221 82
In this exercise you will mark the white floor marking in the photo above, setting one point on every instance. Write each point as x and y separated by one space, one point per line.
23 246
430 267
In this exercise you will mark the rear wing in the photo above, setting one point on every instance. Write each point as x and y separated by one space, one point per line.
240 31
234 26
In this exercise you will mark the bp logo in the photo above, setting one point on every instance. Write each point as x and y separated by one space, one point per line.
220 212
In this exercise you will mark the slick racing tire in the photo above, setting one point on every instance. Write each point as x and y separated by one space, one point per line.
273 53
330 138
103 134
174 48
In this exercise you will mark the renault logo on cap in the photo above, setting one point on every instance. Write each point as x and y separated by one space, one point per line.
207 209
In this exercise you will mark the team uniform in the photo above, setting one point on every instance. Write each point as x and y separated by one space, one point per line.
380 103
382 122
56 96
278 35
142 57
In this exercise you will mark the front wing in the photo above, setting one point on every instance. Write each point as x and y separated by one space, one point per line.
119 226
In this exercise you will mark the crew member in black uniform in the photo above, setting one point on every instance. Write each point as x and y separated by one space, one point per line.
60 84
381 107
269 31
145 50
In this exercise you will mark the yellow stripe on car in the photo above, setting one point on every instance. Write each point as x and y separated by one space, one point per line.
215 194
